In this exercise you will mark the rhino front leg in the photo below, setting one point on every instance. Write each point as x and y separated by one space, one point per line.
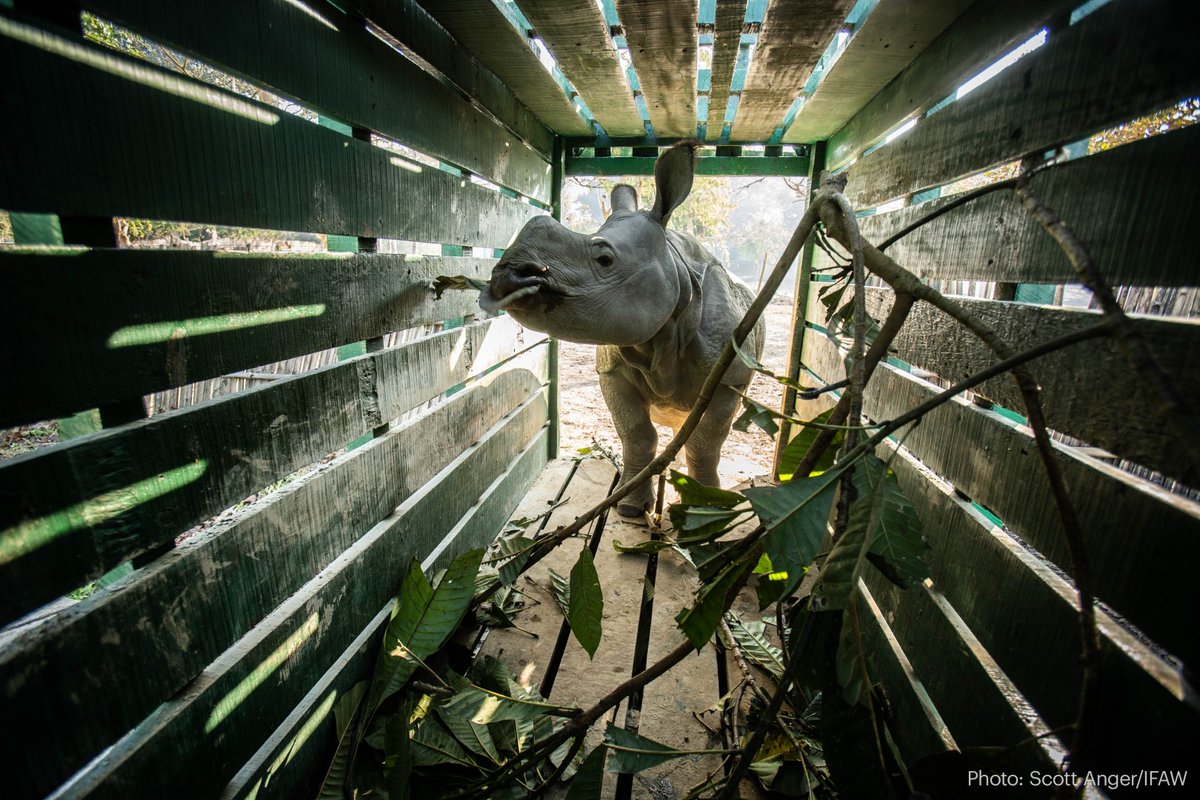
639 439
703 449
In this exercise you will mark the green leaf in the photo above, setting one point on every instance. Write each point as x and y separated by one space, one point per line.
631 753
519 548
484 706
585 605
756 414
751 639
753 363
840 573
851 657
590 777
345 713
561 591
694 493
423 620
473 736
899 547
397 767
433 745
701 523
700 621
444 283
798 447
796 516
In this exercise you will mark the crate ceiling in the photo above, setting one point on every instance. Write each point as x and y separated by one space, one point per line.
723 71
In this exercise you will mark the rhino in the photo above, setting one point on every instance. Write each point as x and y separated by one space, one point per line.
657 304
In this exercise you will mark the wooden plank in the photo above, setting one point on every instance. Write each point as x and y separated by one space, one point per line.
662 44
426 39
239 699
916 725
277 768
330 63
988 30
238 311
577 35
1122 61
895 33
1025 616
73 511
993 460
727 38
481 28
1129 205
711 165
793 37
1088 391
182 150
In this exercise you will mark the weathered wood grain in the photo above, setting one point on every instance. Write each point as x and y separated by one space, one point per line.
988 30
481 28
793 37
326 60
73 511
709 165
328 608
182 150
727 38
286 774
425 37
1024 615
577 35
158 319
1127 523
1129 205
1123 60
895 33
662 44
1088 391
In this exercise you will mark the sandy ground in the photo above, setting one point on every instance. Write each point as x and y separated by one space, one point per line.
585 418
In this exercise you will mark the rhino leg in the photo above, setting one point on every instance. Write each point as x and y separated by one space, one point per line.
639 439
703 449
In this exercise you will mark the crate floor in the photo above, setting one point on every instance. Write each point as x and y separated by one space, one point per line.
669 705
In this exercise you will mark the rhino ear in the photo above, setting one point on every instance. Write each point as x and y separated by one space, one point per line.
624 198
673 179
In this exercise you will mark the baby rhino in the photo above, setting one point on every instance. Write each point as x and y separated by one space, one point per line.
658 304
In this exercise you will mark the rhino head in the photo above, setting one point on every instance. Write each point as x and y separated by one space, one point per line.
617 286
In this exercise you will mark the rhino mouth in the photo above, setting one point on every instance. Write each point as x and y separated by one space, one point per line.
527 294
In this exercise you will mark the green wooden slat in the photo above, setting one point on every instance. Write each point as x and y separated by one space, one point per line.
216 590
577 35
988 30
333 65
713 165
70 512
1124 60
793 37
1132 206
1088 391
895 33
481 28
283 770
1031 629
240 310
463 502
424 36
662 44
99 134
1125 522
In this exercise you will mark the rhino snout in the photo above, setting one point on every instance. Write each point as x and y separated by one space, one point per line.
511 282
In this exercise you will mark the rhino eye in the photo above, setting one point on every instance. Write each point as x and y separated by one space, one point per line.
604 260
